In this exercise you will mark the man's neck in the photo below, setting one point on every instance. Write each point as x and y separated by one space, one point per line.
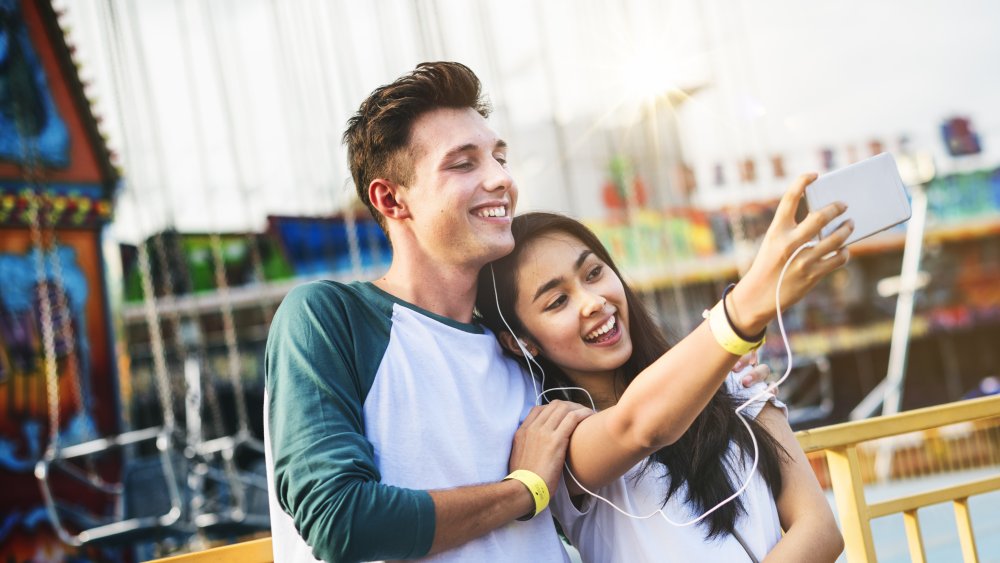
446 291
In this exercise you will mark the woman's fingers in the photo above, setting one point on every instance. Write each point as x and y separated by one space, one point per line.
810 227
820 261
785 213
830 263
836 239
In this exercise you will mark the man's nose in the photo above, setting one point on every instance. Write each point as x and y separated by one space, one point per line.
499 178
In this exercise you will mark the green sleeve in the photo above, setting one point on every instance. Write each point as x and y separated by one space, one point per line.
322 353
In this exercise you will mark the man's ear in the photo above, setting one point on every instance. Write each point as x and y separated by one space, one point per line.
384 195
510 343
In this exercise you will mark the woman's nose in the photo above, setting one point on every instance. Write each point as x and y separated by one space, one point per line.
593 303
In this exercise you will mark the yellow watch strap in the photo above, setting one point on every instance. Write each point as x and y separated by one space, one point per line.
725 335
536 486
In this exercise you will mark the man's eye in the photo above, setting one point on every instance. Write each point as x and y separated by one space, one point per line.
595 272
502 159
464 165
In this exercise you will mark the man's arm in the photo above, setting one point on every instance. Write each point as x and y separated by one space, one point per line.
325 474
540 446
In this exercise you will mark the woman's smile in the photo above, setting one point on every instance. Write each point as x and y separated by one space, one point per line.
608 333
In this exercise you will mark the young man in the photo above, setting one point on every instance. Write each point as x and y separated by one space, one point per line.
392 417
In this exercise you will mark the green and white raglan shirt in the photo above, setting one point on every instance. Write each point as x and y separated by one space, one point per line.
371 402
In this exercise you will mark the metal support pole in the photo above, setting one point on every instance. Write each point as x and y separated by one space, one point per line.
900 343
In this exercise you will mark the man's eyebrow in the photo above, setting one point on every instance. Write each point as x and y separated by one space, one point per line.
500 144
556 281
458 150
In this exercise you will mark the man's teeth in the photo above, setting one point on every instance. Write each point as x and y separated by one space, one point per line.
602 330
500 211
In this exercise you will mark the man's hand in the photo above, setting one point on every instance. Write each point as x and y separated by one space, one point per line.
540 443
753 375
748 359
756 373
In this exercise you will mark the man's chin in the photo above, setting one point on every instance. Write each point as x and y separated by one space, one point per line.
503 248
495 250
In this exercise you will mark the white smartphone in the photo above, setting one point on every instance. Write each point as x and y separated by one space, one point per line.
873 191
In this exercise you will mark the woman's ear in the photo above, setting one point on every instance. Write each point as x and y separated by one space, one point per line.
510 343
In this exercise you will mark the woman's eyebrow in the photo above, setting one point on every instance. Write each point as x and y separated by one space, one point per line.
547 286
556 281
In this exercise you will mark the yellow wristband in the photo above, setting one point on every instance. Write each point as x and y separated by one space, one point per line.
536 486
725 335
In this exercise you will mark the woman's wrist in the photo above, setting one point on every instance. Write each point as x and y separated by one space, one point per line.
742 313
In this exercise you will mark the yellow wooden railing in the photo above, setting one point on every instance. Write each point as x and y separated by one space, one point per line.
840 444
255 551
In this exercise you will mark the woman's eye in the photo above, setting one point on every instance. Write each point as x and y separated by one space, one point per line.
502 159
464 165
595 272
556 303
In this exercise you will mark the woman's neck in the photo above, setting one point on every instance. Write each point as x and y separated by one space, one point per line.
600 386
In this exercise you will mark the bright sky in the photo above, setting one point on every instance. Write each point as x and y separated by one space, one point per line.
234 108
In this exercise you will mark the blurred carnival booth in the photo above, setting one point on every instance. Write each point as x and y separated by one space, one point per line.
57 358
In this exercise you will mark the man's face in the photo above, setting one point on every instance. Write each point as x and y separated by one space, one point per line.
461 196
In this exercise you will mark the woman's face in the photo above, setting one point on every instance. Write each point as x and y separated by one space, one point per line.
573 306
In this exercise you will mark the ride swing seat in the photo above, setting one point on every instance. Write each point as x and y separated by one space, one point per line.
149 501
227 500
234 501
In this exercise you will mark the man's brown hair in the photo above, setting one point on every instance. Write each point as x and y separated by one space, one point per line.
378 134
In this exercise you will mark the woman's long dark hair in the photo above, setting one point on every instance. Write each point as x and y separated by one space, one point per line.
699 457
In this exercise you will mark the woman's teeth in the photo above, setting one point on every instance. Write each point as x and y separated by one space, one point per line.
602 330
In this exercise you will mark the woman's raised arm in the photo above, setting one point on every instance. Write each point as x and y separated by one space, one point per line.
663 401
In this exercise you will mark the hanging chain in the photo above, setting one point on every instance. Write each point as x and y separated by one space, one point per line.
45 286
229 329
48 333
160 373
162 254
50 362
66 332
156 340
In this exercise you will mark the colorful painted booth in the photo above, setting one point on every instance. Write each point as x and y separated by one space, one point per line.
58 383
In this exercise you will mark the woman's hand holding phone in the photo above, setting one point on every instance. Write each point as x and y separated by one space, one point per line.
751 303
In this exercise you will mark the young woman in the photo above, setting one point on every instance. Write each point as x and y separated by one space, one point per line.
666 435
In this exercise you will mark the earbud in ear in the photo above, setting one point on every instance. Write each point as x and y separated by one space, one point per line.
527 348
